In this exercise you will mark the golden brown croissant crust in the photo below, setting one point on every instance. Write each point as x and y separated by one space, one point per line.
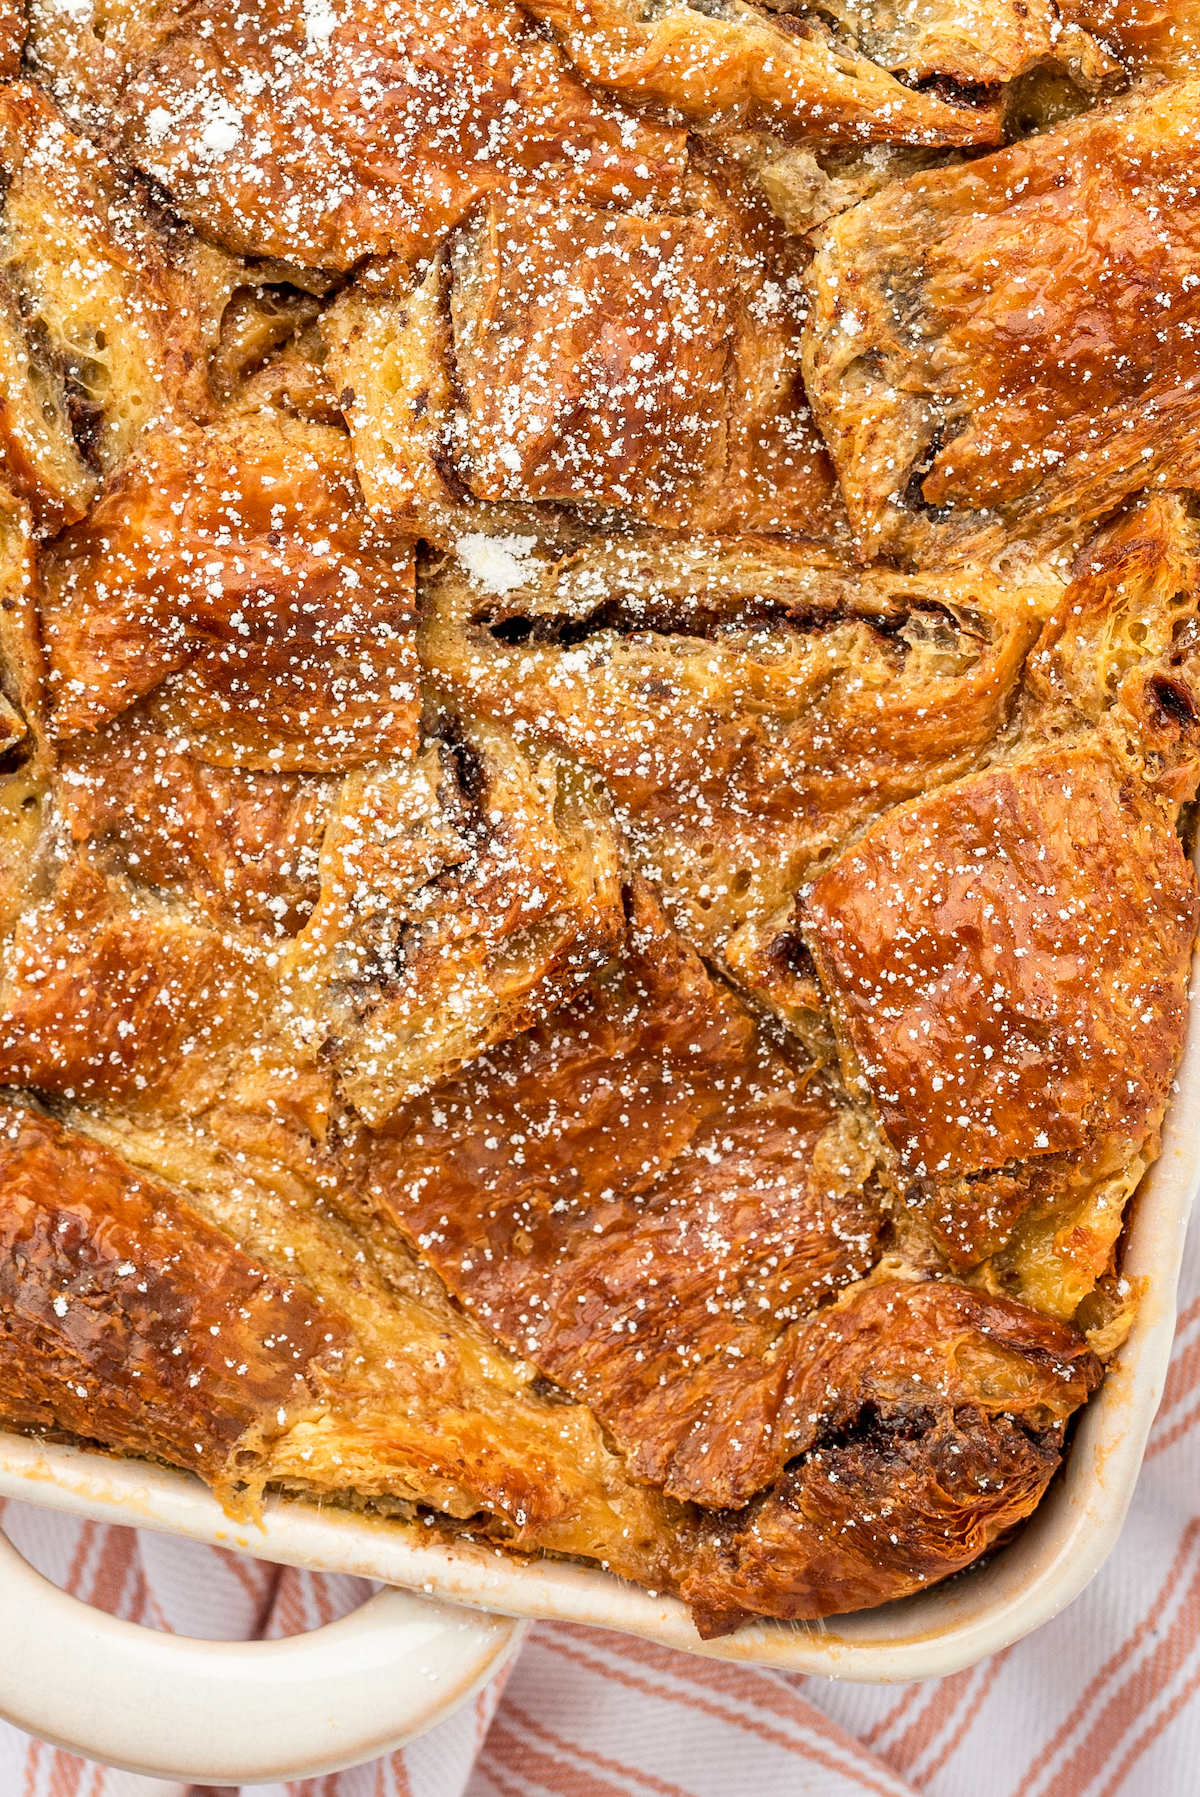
126 1318
599 716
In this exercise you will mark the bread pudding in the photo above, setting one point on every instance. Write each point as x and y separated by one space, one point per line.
599 730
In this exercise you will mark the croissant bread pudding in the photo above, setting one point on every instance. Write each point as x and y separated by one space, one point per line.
600 721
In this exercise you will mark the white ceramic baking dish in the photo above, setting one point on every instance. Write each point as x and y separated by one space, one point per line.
399 1666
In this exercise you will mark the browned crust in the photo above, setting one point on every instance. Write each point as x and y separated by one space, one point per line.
109 993
14 27
930 1419
128 1320
893 1510
241 846
961 411
743 67
682 1194
1150 35
233 573
403 118
658 359
1007 960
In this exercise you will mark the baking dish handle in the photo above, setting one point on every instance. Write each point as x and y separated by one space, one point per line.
236 1712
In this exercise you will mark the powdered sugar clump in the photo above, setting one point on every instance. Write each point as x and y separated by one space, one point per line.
222 125
497 563
320 22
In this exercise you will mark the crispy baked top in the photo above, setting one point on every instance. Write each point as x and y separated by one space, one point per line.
599 717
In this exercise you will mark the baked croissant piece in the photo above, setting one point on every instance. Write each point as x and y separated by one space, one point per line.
599 717
645 364
980 369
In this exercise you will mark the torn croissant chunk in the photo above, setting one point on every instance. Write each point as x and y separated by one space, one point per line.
233 580
578 355
461 897
326 135
107 311
988 355
993 952
731 693
738 64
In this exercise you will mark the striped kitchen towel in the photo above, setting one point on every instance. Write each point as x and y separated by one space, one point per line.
1102 1702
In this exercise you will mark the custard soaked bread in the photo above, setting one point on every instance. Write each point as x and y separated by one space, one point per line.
599 716
108 310
749 703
